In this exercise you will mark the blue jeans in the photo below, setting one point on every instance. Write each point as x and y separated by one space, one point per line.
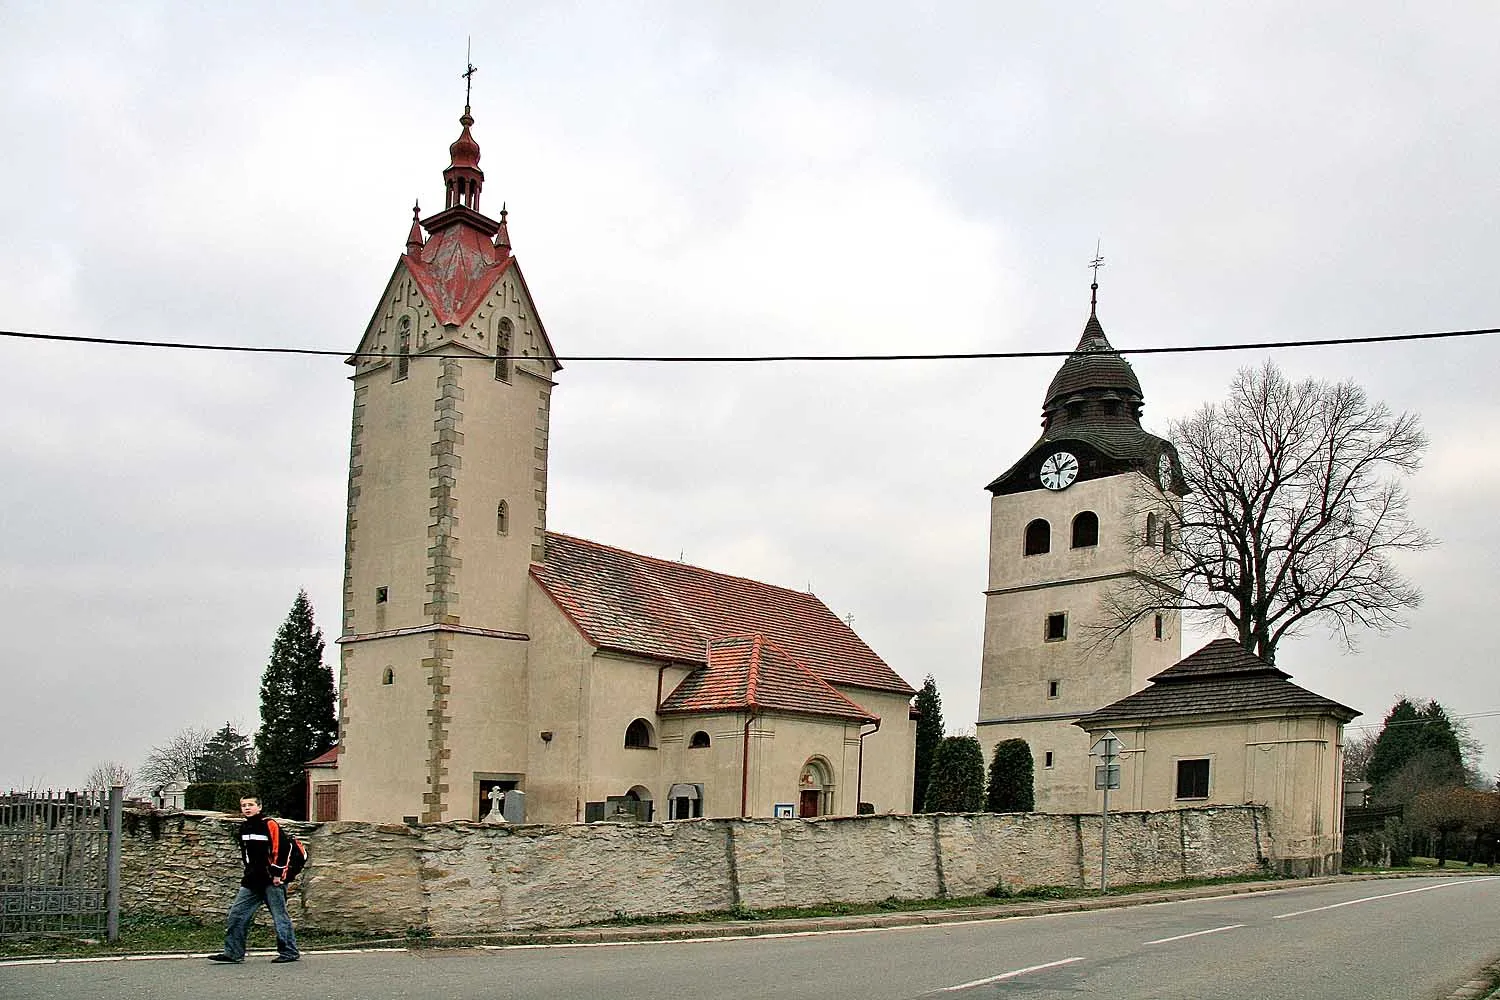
242 911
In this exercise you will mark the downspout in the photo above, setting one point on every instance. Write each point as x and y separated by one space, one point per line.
859 781
745 768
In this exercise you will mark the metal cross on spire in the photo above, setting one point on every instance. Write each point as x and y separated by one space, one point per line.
468 74
1096 263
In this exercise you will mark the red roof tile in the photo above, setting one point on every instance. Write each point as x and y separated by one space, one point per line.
329 759
752 672
668 610
456 270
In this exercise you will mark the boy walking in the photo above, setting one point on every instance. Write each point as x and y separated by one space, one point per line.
265 851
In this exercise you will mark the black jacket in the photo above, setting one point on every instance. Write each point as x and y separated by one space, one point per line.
264 849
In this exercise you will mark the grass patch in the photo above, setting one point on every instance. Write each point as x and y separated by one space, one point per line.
147 932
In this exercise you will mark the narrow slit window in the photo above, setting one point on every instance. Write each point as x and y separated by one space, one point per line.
1151 529
1054 688
388 677
1160 628
403 350
502 350
502 518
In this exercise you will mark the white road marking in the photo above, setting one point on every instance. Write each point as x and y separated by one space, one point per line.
1371 899
1184 937
1012 974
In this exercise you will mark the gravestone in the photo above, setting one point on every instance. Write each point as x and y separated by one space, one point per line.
515 806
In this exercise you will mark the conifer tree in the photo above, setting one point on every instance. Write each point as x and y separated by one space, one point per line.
297 721
1012 772
227 756
929 734
1417 749
956 782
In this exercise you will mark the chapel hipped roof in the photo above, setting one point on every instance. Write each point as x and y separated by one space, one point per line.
655 608
752 673
1221 678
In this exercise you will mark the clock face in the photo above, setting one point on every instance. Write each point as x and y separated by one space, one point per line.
1164 471
1059 470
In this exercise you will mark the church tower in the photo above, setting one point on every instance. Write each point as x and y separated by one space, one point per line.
1071 522
446 513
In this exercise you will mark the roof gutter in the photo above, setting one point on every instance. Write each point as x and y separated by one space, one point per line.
745 768
859 781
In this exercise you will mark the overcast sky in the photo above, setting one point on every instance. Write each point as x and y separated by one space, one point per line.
700 178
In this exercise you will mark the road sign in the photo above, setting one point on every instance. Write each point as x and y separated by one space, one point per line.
1113 771
1107 746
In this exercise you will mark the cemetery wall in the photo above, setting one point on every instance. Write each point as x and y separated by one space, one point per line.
463 878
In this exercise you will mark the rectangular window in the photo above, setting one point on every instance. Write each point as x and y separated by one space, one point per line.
1159 628
1057 626
1192 779
1047 758
381 594
1053 688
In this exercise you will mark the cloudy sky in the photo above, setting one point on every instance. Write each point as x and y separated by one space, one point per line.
701 178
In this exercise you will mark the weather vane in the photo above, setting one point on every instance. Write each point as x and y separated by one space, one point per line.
1096 263
468 74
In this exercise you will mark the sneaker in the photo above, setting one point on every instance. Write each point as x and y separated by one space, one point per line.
224 958
284 958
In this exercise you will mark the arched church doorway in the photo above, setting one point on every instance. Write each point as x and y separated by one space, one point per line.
815 789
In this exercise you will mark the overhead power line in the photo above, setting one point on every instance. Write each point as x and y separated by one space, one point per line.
761 358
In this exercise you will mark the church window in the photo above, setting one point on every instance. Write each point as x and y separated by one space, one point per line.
1086 530
1160 628
1047 758
1038 537
403 350
382 594
1150 529
502 350
1054 688
502 518
1057 626
388 677
638 736
699 741
1166 536
1192 779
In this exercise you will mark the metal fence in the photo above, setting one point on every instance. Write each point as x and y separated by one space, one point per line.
60 863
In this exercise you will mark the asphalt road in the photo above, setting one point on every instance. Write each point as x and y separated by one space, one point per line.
1406 939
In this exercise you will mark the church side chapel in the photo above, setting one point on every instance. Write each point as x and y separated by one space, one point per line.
493 670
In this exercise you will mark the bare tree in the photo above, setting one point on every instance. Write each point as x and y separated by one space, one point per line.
177 760
1292 511
1357 753
105 776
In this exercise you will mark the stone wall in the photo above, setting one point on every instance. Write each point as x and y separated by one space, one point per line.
461 878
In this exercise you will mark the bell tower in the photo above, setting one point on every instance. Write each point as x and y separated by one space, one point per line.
1069 522
447 505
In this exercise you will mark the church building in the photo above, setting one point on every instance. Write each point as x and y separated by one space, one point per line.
1075 518
483 654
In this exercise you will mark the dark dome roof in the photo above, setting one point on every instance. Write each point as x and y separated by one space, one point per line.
1094 368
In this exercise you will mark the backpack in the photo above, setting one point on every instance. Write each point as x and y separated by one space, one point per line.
296 858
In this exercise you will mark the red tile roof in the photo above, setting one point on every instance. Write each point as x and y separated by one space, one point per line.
329 759
668 610
752 672
456 270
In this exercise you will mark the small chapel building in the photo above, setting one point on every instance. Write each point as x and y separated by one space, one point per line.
1224 727
482 653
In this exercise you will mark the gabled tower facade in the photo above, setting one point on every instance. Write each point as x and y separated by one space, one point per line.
446 513
1071 521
